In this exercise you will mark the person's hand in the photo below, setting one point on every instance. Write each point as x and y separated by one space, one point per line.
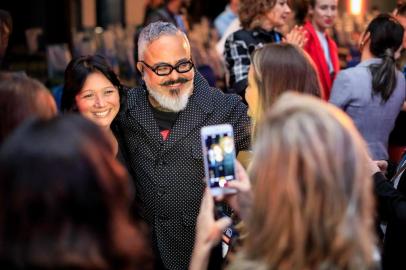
296 37
375 166
382 165
209 230
241 201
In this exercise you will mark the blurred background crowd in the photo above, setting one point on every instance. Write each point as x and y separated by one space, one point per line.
47 34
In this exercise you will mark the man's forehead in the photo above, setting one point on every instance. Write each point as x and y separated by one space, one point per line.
168 48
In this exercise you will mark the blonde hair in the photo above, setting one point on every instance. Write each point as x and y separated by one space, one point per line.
278 68
313 205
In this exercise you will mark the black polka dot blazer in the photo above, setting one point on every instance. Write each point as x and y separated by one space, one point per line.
169 174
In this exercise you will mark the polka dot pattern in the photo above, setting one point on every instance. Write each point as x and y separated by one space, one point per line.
169 174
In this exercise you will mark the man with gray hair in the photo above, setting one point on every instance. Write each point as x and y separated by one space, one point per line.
159 134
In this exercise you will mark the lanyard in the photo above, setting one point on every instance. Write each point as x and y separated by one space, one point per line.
277 38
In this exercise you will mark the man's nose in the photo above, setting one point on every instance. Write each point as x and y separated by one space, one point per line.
174 75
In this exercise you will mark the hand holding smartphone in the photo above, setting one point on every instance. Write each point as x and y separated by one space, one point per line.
219 157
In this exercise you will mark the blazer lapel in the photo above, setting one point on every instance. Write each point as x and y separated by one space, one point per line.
140 111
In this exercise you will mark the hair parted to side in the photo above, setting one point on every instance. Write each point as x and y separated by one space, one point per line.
386 37
76 74
313 203
251 11
152 32
282 67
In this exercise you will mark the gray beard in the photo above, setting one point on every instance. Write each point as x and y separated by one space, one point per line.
176 102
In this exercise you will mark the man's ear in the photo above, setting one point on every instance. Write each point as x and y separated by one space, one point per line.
140 68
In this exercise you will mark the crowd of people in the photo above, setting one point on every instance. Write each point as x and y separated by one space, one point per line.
116 178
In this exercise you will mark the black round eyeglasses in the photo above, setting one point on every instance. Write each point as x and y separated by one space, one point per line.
166 69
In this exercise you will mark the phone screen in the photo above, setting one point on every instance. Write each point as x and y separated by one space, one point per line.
220 156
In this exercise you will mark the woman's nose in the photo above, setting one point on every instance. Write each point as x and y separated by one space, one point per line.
99 101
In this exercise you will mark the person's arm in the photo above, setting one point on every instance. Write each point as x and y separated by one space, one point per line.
209 230
241 123
208 233
391 203
241 201
238 60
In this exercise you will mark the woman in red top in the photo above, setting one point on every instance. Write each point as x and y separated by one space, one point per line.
321 48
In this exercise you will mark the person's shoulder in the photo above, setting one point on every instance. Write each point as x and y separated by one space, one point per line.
243 38
131 95
214 96
242 33
225 101
352 72
220 17
134 91
400 77
308 27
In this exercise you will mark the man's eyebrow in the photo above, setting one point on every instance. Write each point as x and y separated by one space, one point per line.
161 64
167 64
182 60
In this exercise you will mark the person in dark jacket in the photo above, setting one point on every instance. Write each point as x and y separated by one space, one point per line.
160 124
391 205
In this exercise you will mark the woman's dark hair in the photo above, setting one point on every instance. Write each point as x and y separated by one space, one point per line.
386 36
312 3
301 8
65 200
76 74
22 97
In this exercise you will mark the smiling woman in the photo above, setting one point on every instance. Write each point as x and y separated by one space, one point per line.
98 99
92 89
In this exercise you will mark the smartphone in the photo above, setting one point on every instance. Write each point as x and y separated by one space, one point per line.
219 157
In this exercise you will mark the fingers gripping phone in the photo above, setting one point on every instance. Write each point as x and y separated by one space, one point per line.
219 157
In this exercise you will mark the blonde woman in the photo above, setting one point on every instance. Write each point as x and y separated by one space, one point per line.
275 69
310 205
